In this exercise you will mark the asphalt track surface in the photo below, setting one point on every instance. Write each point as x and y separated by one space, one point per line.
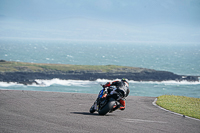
50 112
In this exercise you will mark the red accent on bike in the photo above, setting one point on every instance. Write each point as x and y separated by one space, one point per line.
104 96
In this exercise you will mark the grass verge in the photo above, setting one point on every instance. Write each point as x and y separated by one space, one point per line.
11 66
187 106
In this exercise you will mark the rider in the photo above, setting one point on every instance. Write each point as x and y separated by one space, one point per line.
121 88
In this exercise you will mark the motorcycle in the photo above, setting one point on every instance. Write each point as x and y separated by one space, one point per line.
105 103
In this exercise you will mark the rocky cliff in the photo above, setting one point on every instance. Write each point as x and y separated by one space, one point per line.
27 73
145 75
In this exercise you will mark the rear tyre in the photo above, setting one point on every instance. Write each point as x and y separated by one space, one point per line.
108 107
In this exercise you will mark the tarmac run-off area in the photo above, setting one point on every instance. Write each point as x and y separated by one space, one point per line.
53 112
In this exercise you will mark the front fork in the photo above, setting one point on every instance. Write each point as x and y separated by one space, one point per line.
98 100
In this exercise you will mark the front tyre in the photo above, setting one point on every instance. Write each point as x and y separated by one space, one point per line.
92 110
108 107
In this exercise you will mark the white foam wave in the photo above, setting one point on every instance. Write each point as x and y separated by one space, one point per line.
170 82
63 82
5 84
86 83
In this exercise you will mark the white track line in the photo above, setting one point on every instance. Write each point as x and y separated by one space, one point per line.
141 121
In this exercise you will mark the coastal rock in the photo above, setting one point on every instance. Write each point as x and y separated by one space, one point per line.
29 77
2 61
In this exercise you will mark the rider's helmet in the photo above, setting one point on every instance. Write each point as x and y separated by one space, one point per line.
125 81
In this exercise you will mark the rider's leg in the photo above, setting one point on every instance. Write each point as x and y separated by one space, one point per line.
122 102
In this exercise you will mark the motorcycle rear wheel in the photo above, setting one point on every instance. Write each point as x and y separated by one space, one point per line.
108 107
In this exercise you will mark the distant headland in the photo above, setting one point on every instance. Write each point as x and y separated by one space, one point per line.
27 73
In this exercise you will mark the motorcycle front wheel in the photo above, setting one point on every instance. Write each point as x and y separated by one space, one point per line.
92 110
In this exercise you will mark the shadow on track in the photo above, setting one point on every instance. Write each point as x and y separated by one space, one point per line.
84 113
94 114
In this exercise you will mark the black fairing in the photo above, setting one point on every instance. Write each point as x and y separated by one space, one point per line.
104 101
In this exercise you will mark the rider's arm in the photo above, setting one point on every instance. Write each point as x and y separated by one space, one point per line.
107 84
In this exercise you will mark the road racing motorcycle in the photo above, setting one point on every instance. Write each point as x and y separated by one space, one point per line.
106 102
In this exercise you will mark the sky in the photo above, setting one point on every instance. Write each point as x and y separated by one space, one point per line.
168 21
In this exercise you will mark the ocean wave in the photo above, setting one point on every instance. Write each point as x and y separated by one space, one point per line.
86 83
170 82
63 82
5 84
184 82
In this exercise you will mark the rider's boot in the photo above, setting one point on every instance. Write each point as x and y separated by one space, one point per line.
123 104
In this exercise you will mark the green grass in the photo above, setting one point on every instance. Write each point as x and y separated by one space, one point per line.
10 66
187 106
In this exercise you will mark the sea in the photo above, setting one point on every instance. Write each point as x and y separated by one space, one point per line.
179 58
